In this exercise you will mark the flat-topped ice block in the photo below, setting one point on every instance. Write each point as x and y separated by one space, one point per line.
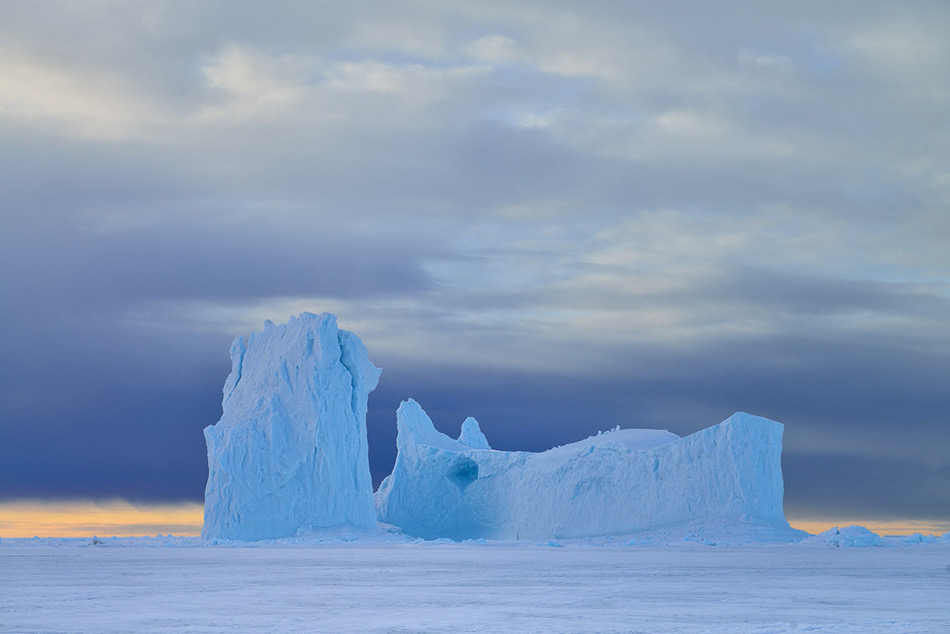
619 482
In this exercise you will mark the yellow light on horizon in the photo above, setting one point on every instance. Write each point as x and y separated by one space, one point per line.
879 526
85 518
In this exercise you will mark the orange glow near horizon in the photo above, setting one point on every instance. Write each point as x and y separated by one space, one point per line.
42 518
879 526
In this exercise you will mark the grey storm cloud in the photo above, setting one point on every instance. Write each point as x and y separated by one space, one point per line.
556 218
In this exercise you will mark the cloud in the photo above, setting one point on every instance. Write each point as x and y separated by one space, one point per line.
494 49
419 37
257 84
79 102
413 84
681 210
769 61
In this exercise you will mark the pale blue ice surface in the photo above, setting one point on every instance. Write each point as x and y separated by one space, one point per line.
471 587
724 480
290 450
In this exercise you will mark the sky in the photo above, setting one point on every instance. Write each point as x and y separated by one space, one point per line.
554 217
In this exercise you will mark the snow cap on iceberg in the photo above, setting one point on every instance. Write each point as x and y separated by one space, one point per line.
290 452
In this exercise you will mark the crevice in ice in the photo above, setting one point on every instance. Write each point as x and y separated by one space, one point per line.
463 472
238 350
347 362
285 375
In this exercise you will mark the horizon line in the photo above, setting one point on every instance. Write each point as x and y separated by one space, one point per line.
88 517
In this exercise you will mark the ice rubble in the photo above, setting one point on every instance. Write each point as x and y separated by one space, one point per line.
849 536
619 482
289 452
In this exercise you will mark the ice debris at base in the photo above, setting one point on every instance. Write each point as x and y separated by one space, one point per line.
619 482
744 534
861 537
290 452
849 536
916 538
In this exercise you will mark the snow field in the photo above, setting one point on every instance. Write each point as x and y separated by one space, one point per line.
490 587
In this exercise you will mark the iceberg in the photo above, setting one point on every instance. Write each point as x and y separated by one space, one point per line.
619 482
290 450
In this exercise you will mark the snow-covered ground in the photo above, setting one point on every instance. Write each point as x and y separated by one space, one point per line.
176 585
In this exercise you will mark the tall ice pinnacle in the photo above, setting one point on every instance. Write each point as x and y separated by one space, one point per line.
290 450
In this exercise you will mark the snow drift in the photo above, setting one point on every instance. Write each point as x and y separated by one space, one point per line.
619 482
289 452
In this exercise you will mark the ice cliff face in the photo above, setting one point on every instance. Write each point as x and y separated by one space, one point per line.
623 481
290 449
